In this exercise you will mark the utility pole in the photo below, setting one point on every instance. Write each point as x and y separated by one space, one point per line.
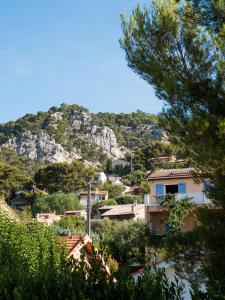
131 163
88 226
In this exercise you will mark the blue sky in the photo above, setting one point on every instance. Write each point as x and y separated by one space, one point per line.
55 51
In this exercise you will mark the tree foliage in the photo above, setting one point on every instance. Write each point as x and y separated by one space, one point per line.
134 178
75 224
11 179
58 202
178 210
36 267
178 47
63 177
124 240
128 199
113 189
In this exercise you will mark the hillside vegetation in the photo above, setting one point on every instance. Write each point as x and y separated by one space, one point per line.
71 132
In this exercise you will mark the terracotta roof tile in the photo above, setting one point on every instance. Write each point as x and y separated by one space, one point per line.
170 173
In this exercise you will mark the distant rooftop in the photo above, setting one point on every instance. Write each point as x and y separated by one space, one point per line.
171 173
120 210
94 193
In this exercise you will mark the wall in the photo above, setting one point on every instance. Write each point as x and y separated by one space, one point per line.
156 219
191 186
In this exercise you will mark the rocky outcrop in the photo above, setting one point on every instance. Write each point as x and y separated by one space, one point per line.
105 138
71 132
40 146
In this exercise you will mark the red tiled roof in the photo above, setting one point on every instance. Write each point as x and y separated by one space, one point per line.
72 242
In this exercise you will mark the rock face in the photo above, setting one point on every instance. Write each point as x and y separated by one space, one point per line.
105 138
40 146
71 132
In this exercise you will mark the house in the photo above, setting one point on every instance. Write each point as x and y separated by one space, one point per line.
20 201
177 182
99 177
170 274
96 196
114 179
75 245
123 212
48 218
78 212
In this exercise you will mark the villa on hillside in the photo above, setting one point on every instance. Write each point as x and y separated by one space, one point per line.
177 182
96 196
48 218
100 177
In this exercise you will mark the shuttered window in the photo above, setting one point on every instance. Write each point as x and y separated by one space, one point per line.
182 188
159 189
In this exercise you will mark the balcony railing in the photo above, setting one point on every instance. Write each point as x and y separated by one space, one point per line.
196 198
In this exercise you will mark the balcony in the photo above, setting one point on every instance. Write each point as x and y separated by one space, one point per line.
196 198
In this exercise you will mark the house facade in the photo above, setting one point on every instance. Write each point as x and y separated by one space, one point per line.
179 183
96 196
100 177
48 218
78 213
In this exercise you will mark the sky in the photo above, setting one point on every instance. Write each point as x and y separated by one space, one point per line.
67 51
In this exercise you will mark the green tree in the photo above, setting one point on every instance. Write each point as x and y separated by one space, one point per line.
58 202
109 166
124 240
113 189
36 267
11 179
73 223
134 178
178 47
128 199
63 177
145 187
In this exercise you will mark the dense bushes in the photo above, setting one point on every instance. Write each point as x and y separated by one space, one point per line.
36 268
11 179
124 240
63 177
113 189
134 178
58 202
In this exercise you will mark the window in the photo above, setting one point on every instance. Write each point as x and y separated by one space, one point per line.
172 189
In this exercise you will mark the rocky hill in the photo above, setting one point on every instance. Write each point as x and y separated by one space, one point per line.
71 132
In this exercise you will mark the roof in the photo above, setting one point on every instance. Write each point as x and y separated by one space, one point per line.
171 173
72 242
75 243
73 211
95 193
120 210
99 173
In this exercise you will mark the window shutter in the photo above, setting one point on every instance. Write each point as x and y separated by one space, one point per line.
159 189
182 188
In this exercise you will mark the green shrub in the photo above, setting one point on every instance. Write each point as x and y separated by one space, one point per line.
58 202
